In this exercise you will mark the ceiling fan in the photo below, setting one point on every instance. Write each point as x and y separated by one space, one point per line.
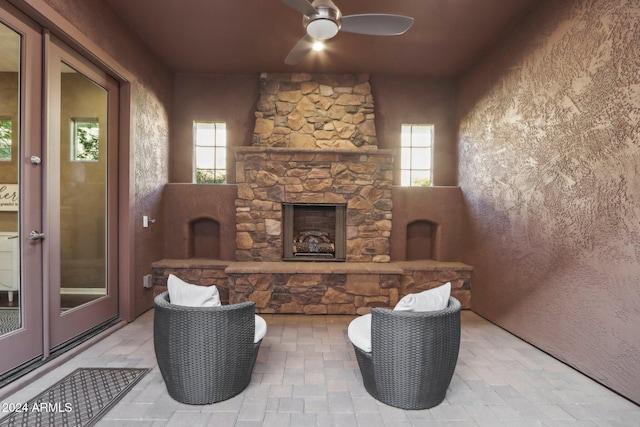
322 20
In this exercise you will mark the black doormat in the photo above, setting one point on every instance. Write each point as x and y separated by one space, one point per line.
9 320
78 400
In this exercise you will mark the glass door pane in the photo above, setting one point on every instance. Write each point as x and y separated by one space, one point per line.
10 318
83 182
81 188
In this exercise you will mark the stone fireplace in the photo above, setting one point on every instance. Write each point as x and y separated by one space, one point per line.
314 186
314 232
271 180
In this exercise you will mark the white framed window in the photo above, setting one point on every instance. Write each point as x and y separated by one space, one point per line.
6 138
210 152
416 159
85 140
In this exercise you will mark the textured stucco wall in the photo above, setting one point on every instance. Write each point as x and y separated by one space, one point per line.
150 112
549 152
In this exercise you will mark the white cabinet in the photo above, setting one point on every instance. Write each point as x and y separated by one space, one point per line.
9 263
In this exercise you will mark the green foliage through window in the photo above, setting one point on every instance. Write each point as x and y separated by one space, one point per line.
209 176
421 182
5 139
86 140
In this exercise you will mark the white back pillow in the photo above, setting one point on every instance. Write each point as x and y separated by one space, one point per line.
183 293
429 300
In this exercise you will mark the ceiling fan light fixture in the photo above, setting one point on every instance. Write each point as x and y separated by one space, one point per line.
318 46
322 29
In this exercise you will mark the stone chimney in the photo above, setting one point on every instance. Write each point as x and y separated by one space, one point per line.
314 143
321 111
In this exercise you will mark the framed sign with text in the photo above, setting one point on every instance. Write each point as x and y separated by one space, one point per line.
8 197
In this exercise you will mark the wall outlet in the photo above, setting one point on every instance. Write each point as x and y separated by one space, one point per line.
146 281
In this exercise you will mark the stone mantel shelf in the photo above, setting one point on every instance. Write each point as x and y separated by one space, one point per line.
191 263
296 150
420 265
395 267
251 267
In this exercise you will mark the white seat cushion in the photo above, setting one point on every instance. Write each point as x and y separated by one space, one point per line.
359 332
186 294
429 300
261 329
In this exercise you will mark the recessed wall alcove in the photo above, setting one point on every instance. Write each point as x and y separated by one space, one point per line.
204 238
421 240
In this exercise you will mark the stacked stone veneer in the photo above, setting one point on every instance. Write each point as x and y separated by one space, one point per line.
317 288
198 271
314 288
315 111
267 177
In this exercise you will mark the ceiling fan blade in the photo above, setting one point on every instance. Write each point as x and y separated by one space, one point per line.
302 6
376 24
300 50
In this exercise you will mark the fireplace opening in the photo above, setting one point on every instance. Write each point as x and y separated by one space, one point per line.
314 232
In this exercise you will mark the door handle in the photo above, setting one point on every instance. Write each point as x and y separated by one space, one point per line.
36 235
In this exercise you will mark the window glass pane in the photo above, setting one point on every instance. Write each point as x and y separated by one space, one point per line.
405 177
405 136
205 134
421 158
405 162
204 157
221 135
421 136
221 158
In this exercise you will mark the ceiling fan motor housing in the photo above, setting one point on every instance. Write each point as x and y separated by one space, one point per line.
325 23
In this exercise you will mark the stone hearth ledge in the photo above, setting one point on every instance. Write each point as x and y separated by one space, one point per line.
317 287
253 267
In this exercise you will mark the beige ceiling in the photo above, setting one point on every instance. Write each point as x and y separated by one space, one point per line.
251 36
